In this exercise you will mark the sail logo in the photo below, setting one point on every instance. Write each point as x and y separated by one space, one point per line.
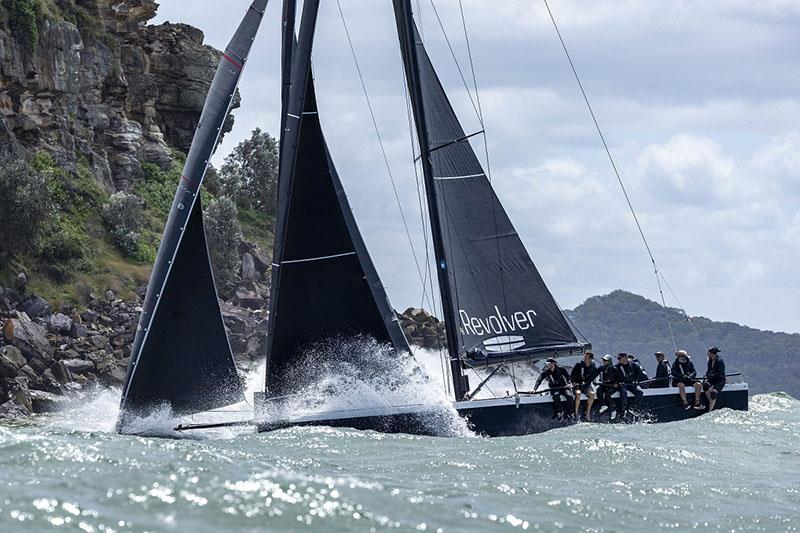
497 323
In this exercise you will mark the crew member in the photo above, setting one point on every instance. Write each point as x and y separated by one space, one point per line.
609 384
558 382
715 376
644 379
583 375
629 373
683 375
663 371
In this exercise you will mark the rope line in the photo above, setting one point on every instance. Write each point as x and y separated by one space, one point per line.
380 140
658 275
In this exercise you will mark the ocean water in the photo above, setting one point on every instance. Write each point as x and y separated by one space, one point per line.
726 471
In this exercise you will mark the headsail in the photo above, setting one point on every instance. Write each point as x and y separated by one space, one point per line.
181 357
500 306
324 284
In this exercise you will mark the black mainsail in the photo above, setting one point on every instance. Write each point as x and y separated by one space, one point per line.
496 305
181 357
324 284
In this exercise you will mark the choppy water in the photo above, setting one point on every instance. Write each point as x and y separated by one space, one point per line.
725 471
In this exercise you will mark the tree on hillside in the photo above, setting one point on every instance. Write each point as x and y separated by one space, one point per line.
223 235
123 217
24 210
250 173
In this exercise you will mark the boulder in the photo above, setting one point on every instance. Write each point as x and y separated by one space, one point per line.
60 323
18 393
62 373
261 260
77 366
78 331
110 296
99 341
249 272
111 372
89 316
47 382
45 402
11 361
27 336
248 299
36 307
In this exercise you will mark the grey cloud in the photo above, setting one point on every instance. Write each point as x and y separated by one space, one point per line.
698 100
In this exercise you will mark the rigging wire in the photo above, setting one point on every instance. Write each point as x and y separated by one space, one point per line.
458 65
380 140
656 272
476 104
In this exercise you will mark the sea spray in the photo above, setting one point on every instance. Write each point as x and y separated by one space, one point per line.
337 375
361 374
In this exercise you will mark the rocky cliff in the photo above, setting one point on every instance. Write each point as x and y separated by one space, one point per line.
90 80
91 95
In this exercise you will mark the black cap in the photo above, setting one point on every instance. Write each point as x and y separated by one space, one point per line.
551 360
621 354
714 349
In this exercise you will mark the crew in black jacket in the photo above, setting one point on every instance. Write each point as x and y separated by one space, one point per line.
609 384
583 375
629 374
683 374
559 383
663 371
715 376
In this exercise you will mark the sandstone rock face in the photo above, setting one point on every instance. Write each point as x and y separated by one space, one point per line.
423 329
114 92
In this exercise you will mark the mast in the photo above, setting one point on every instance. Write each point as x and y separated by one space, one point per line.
293 95
287 52
406 33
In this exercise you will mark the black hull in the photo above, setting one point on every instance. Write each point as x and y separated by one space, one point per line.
504 417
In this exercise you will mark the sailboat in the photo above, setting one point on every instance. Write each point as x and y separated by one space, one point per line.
497 309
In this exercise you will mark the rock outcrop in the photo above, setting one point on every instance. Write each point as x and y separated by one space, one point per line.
100 87
45 359
423 329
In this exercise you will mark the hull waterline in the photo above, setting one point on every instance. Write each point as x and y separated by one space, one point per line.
499 417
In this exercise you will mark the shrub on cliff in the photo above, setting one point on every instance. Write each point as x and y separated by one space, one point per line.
123 217
25 207
223 235
22 20
250 173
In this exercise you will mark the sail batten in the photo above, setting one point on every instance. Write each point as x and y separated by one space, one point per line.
490 286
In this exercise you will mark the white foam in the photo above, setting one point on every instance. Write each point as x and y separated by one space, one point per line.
347 375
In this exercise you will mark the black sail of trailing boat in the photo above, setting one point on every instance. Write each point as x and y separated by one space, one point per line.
324 284
497 307
181 357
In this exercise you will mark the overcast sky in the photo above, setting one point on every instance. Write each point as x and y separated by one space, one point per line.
699 100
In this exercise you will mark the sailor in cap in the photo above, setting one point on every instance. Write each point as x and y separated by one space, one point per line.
559 384
715 376
683 375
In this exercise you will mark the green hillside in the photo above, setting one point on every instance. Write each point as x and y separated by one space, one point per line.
622 321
